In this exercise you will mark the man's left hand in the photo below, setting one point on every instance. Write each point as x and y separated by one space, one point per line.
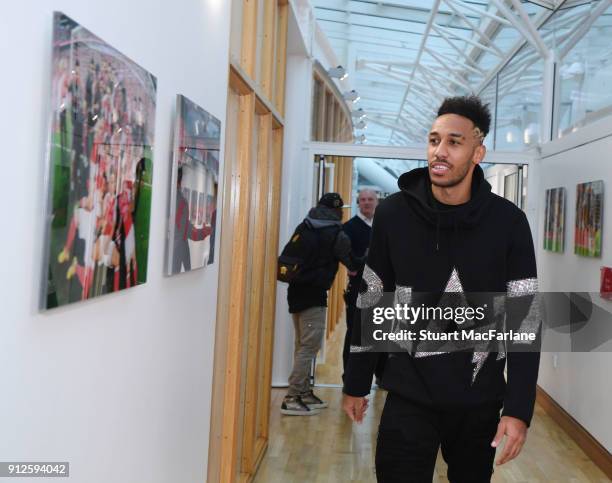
516 434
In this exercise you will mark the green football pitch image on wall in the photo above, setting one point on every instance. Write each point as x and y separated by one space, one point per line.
100 168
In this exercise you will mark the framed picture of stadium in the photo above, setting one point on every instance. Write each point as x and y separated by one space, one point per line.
100 165
193 191
589 218
554 220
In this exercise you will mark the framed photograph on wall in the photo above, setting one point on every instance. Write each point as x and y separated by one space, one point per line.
193 193
554 220
100 167
589 218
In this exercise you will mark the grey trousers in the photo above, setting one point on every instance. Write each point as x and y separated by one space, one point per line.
309 329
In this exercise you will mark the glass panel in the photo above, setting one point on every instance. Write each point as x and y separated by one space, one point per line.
559 28
532 9
381 41
329 111
381 174
584 78
519 101
488 97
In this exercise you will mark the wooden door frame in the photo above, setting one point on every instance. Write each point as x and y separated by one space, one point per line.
245 319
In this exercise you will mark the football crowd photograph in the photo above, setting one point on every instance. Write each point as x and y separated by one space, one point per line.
99 199
554 220
589 218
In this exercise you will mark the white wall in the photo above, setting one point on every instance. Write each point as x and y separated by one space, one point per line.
119 386
580 383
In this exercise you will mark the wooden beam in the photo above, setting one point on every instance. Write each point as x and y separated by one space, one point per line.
239 76
223 296
281 55
239 211
329 116
256 259
238 83
248 52
260 448
268 50
321 116
261 108
339 123
269 294
339 282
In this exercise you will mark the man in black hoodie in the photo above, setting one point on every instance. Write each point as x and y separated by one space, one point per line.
307 300
443 233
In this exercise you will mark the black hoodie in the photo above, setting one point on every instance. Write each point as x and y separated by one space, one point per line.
421 246
333 246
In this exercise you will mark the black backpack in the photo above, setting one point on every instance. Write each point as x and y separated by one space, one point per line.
296 263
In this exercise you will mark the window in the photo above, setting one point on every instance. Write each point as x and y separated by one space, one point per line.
585 77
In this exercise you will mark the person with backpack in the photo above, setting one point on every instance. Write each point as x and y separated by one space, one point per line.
309 263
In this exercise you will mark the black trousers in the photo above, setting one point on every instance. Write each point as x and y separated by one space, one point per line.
350 313
410 435
350 321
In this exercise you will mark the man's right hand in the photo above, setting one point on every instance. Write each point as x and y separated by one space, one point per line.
355 407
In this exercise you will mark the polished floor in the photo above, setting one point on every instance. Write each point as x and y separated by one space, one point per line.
328 448
329 371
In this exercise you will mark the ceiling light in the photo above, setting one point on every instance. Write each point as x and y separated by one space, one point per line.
337 73
352 96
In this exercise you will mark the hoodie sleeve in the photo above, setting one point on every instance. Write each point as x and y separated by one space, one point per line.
342 251
522 315
378 278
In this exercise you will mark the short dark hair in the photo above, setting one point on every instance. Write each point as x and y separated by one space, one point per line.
470 107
